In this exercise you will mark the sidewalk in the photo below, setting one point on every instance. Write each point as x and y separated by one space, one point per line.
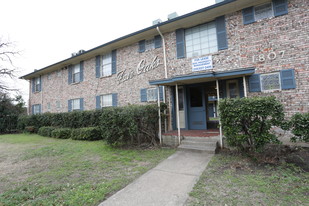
167 184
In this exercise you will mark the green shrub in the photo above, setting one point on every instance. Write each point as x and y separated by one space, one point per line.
46 131
246 122
86 133
61 133
130 125
300 127
31 129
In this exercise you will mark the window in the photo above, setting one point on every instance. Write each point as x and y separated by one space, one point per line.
201 40
36 109
232 88
49 76
36 84
151 94
58 105
107 100
48 106
149 44
270 82
76 104
76 73
263 11
106 69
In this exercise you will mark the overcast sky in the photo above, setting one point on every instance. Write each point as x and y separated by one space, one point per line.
48 31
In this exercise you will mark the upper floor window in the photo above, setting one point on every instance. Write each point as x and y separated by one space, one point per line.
36 84
106 65
270 9
201 40
76 73
149 44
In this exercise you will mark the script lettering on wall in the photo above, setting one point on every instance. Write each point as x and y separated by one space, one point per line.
142 67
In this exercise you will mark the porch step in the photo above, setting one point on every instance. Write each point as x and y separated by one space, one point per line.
199 144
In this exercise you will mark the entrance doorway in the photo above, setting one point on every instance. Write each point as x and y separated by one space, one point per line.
197 108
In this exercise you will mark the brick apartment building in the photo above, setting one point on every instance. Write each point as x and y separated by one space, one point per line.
234 48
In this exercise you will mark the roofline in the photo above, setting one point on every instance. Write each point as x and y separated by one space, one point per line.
133 34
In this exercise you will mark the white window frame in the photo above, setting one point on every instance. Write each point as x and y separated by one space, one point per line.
268 74
76 73
201 40
36 109
75 104
257 18
37 84
152 94
105 103
106 67
228 88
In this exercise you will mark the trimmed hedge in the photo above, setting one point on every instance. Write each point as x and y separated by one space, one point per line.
246 122
46 131
86 133
61 133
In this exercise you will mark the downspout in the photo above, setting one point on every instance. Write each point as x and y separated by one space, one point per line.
245 87
177 116
165 75
220 126
159 113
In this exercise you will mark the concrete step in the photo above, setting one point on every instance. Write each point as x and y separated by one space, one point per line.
203 139
199 149
199 143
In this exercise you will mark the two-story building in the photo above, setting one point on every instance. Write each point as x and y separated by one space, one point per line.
235 48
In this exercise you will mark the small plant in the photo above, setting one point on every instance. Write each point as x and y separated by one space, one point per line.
31 129
86 133
61 133
300 127
247 121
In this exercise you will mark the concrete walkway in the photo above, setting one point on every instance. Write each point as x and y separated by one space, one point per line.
167 184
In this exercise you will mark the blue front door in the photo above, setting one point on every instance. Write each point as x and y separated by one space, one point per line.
196 108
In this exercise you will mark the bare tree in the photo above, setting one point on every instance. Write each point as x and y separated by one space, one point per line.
7 69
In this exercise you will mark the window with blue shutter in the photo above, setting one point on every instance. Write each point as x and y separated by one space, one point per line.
81 64
143 95
254 83
115 99
97 66
221 33
280 7
33 85
70 74
142 46
287 79
158 41
81 104
180 43
248 15
114 62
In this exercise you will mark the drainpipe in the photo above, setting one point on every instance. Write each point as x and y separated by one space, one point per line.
218 99
159 113
245 88
165 74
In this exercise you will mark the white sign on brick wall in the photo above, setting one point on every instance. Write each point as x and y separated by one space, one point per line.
203 63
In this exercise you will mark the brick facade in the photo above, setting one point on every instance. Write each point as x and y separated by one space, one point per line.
282 41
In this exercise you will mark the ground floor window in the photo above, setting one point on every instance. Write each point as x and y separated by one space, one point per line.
36 109
232 88
107 100
270 81
76 104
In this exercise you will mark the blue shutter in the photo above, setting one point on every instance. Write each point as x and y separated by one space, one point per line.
241 88
114 61
287 79
115 99
161 92
33 85
254 83
98 102
32 108
158 41
221 33
81 66
280 7
70 74
81 104
40 85
143 95
248 15
97 66
142 46
180 43
69 105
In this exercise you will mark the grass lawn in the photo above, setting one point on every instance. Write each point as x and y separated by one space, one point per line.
37 170
235 180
